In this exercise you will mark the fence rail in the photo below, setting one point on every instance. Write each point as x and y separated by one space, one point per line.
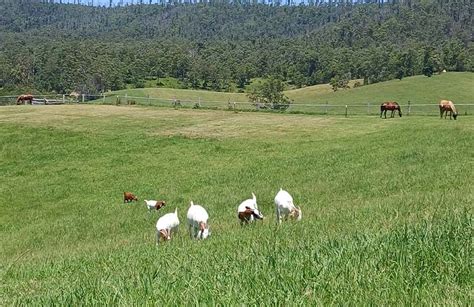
368 108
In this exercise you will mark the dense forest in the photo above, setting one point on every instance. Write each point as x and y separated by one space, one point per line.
52 47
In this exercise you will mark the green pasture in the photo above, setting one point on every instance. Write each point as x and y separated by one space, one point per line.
420 92
455 86
387 207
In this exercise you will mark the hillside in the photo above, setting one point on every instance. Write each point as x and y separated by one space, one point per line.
222 46
458 87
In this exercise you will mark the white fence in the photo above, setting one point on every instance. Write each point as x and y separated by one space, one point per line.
367 108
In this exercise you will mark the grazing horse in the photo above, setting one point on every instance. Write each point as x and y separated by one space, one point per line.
447 106
24 98
390 106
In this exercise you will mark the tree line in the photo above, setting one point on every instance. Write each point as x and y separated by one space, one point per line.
222 46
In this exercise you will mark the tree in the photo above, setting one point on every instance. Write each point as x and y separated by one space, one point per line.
337 82
269 95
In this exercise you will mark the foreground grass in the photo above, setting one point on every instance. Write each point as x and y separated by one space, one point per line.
387 207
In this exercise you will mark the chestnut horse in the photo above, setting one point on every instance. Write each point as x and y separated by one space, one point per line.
24 98
447 106
389 106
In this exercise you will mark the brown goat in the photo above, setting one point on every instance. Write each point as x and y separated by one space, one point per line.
128 197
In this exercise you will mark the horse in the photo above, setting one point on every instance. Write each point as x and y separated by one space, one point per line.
390 106
447 106
22 99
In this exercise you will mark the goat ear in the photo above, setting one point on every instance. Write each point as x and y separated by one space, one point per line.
191 203
253 196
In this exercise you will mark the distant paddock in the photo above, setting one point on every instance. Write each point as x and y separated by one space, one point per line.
357 108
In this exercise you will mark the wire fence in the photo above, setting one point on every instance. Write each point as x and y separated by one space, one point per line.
356 108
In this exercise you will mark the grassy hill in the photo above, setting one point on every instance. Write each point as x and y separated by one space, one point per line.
458 87
385 221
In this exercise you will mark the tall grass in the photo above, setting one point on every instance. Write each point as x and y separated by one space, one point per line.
387 208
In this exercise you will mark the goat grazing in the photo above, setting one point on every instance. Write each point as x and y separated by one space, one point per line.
167 224
155 204
128 197
248 211
197 222
285 207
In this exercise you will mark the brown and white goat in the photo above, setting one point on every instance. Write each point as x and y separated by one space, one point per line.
155 204
248 211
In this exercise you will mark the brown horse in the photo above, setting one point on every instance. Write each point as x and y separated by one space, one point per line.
22 99
390 106
447 106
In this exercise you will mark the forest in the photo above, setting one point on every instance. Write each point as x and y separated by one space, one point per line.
58 48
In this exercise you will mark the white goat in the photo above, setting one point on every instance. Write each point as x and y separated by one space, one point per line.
248 211
154 204
197 222
285 207
167 224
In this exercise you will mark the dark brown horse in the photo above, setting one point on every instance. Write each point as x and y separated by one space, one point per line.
22 99
390 106
447 106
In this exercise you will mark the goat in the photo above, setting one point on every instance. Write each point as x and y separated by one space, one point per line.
197 222
155 204
128 197
285 207
248 211
166 225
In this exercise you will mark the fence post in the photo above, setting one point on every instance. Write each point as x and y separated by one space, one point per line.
346 110
326 110
126 99
368 108
103 98
83 98
409 108
64 99
233 105
149 101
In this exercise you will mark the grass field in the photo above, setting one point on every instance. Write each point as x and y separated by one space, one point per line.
387 207
458 87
